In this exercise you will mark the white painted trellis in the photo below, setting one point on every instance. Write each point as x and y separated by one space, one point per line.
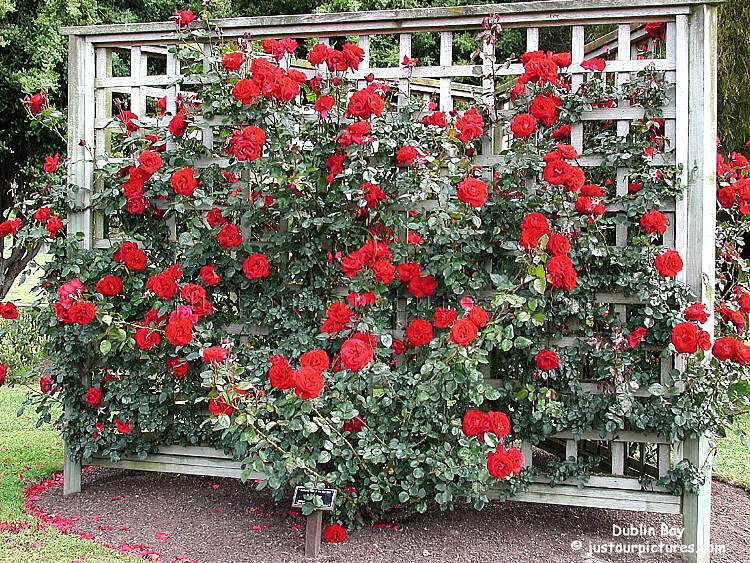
690 125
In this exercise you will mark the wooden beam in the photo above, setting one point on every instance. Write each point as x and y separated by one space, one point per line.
313 533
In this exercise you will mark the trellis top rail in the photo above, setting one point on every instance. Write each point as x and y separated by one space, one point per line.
547 12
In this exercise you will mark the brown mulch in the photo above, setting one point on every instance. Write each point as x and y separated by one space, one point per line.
222 520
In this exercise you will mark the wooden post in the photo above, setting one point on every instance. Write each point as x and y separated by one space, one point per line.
700 263
313 533
71 474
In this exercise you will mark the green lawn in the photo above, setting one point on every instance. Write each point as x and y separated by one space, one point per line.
732 463
34 453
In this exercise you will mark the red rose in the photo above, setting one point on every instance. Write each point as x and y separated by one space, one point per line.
109 285
233 61
354 425
150 161
184 182
280 375
742 354
37 103
475 423
334 533
499 424
45 384
184 17
308 383
635 337
558 245
255 266
146 339
122 427
668 264
406 155
219 406
696 312
318 54
443 317
463 332
563 59
316 359
725 348
42 214
470 125
364 104
134 258
561 273
544 108
178 124
523 125
323 105
562 132
685 337
654 222
51 163
8 311
178 366
246 91
82 312
504 462
94 397
422 286
419 332
546 360
355 354
229 235
3 373
472 191
179 332
214 354
247 143
478 316
209 275
162 285
596 65
727 196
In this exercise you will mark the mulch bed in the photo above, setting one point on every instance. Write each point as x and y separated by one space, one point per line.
188 518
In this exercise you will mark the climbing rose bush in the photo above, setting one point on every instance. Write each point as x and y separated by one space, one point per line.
338 285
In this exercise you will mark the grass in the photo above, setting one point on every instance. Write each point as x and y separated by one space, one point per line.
22 292
34 453
732 463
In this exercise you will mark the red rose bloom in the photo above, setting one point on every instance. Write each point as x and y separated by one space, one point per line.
561 273
37 103
135 259
215 217
177 366
419 332
654 222
334 533
315 359
355 354
406 155
150 161
146 339
725 348
214 354
246 91
280 374
122 427
45 384
499 424
247 143
233 61
463 332
544 108
546 360
209 275
3 373
81 312
478 316
51 163
354 425
596 65
8 311
94 397
562 132
470 125
475 423
219 406
668 264
696 312
472 191
179 332
504 462
635 337
558 245
109 285
685 337
422 286
523 125
308 383
255 266
184 182
443 317
229 236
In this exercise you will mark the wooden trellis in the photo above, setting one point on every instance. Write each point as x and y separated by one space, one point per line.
690 125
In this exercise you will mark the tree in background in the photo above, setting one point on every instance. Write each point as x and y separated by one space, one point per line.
734 73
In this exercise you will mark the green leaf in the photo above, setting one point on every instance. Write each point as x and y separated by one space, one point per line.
105 346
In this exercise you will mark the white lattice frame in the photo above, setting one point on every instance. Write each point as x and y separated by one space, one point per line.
690 123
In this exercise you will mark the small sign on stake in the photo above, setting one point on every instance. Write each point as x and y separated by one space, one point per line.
321 499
